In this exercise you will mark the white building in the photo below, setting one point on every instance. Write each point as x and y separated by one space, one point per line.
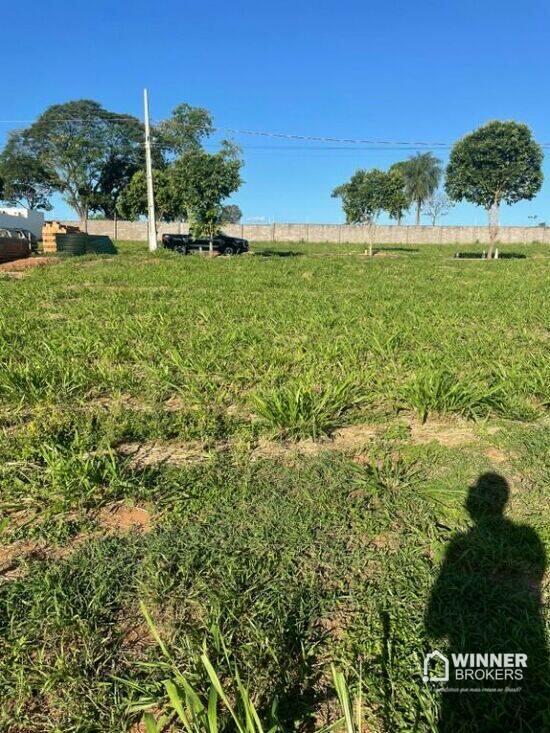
16 218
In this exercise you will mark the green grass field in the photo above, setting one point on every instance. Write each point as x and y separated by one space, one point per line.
271 455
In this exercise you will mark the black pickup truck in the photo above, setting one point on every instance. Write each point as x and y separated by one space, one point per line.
222 243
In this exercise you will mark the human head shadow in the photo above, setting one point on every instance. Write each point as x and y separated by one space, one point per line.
487 600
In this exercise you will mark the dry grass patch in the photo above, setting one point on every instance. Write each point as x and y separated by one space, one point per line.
143 455
351 439
287 450
20 266
123 401
495 455
355 439
450 433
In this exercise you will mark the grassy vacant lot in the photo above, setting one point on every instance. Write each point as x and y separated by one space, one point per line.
271 454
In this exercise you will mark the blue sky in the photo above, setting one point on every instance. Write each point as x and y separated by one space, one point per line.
405 71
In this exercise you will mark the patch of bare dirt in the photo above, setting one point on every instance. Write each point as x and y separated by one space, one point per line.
12 555
135 635
350 439
113 519
495 455
386 541
142 455
140 726
174 404
353 440
354 437
446 432
333 627
124 400
19 266
273 449
120 518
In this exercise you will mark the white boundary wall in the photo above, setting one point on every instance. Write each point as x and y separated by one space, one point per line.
337 233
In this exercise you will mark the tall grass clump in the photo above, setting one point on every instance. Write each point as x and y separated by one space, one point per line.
434 390
204 704
294 411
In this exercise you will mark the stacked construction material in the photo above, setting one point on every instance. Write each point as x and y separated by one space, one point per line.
81 244
49 232
12 249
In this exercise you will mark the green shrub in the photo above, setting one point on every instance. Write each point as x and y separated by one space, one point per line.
303 410
435 390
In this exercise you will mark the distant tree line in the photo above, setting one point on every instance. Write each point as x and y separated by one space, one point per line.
94 158
499 162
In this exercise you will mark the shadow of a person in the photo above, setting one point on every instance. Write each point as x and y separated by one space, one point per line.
487 600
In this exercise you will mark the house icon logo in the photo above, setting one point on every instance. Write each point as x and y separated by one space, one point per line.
436 667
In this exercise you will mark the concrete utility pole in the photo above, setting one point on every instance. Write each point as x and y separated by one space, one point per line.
151 223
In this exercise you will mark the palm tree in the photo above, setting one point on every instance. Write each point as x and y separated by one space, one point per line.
422 173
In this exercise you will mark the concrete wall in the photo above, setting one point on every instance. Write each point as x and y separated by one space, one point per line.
13 217
137 230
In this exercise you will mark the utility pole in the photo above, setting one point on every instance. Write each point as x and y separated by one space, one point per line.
151 223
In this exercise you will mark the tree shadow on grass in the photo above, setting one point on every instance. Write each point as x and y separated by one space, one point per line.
501 256
278 253
487 600
412 250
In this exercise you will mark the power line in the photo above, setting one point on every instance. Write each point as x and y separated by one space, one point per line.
374 144
261 133
325 139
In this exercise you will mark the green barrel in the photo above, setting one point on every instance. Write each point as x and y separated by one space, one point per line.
71 244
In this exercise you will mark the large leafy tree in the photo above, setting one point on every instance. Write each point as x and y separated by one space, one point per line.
184 131
202 181
368 193
364 198
26 182
422 173
88 153
190 183
399 169
124 156
231 214
396 201
133 201
499 161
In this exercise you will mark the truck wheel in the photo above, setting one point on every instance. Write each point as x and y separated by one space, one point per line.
228 250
